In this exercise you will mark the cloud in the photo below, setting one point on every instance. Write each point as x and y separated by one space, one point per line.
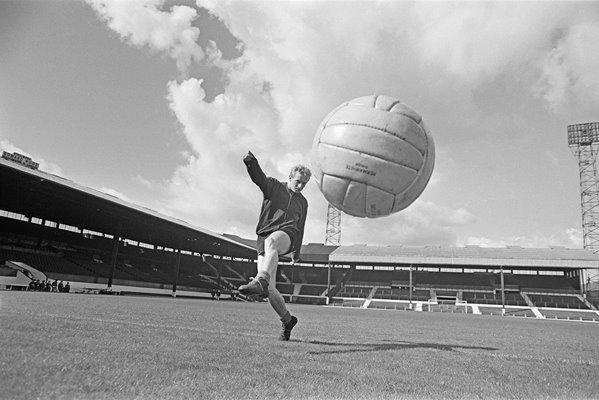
551 46
143 23
210 188
422 223
477 41
143 182
569 69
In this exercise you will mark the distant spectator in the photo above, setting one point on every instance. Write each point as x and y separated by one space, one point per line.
213 294
67 287
54 286
60 287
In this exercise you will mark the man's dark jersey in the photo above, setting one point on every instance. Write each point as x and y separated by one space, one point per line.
282 209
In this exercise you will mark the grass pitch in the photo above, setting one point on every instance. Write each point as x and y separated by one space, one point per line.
74 346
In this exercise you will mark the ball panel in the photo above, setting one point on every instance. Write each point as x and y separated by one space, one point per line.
334 190
365 101
385 102
378 203
404 109
373 142
398 125
406 198
326 120
355 199
363 168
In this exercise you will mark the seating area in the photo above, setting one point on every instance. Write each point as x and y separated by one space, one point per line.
354 291
423 279
401 294
453 280
534 283
557 301
46 262
71 255
312 290
285 288
511 298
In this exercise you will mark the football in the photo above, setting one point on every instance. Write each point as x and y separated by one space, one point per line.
372 156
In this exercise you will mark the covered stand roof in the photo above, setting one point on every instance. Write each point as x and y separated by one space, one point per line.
558 257
49 197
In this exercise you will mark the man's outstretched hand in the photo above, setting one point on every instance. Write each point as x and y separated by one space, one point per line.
248 157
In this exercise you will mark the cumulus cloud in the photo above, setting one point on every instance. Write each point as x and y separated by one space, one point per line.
422 223
570 67
553 45
210 188
144 23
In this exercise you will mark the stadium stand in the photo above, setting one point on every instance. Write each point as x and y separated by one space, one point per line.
81 247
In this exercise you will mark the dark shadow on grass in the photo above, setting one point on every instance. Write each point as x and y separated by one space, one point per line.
388 345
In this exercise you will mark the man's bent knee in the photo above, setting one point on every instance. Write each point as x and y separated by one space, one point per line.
278 241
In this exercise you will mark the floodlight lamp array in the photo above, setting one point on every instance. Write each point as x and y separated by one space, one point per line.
583 134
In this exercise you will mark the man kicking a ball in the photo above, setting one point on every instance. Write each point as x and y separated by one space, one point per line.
280 231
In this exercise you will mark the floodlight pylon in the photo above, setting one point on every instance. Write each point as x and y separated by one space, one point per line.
333 233
583 140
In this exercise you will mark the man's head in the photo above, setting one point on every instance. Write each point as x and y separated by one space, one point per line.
298 178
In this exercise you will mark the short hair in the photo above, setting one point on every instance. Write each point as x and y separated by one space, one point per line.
300 169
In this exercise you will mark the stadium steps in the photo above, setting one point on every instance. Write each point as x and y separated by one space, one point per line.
533 307
93 271
223 281
527 300
369 298
214 269
285 277
338 286
297 288
234 272
28 270
587 303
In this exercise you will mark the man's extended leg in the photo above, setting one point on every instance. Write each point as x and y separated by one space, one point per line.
276 243
278 304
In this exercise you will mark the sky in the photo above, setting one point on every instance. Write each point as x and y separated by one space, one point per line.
157 102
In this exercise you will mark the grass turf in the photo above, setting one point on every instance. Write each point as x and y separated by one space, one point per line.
74 346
